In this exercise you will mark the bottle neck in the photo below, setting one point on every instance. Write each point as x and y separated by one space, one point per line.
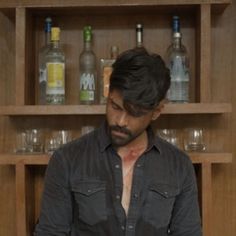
87 45
176 42
47 38
55 44
139 39
114 53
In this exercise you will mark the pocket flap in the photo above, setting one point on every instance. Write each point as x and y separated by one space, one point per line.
89 187
164 190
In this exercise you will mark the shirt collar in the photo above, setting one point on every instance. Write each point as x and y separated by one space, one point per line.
103 137
105 140
153 141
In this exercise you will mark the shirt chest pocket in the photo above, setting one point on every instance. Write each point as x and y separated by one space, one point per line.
90 198
159 204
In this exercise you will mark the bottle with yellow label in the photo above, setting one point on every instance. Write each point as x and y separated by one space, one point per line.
105 72
55 70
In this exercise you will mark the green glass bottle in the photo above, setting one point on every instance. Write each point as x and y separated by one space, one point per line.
88 71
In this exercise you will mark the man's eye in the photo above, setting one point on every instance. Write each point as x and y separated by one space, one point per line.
116 107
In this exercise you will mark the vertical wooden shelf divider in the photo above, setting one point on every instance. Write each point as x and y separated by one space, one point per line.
20 42
206 182
205 53
205 96
21 218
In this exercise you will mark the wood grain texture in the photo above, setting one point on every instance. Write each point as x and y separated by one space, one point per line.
207 223
20 56
102 3
224 66
188 108
197 158
205 53
21 211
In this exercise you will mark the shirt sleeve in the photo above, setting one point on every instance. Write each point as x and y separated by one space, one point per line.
185 216
56 206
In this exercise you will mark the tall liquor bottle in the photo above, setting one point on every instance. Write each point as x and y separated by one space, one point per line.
55 66
88 72
178 64
105 72
139 36
42 79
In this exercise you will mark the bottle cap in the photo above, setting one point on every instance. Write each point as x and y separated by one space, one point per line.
48 25
139 27
175 24
87 33
55 35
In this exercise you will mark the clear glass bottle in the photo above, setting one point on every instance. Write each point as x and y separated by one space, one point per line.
105 73
42 79
178 64
88 71
139 36
55 66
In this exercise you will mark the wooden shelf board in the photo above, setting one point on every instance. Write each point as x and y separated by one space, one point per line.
197 158
210 157
187 108
104 3
197 108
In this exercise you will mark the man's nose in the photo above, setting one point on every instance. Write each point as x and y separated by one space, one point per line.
122 120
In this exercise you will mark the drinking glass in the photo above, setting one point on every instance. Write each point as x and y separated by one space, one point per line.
170 135
20 143
194 140
35 140
56 139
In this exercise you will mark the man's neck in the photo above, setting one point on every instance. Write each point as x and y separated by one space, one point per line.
137 146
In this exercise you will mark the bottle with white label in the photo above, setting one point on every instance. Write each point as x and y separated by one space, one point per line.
55 70
178 64
41 98
88 71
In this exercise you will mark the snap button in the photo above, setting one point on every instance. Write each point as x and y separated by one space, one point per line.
117 166
130 226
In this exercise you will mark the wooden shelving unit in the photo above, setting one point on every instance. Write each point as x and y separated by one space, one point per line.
43 159
19 74
188 108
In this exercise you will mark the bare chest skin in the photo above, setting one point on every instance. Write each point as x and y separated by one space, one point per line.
129 157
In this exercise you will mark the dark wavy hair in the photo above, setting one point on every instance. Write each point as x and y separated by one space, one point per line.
142 78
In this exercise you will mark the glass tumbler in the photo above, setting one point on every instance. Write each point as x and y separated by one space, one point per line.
194 140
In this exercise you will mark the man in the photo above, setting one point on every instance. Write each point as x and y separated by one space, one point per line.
121 179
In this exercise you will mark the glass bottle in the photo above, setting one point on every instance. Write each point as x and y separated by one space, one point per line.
106 70
42 79
55 66
178 64
88 72
139 35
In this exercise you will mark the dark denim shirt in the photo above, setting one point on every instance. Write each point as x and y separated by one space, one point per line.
83 189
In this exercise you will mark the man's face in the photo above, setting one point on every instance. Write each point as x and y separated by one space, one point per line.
124 127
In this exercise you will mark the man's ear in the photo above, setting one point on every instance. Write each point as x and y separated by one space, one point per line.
157 111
